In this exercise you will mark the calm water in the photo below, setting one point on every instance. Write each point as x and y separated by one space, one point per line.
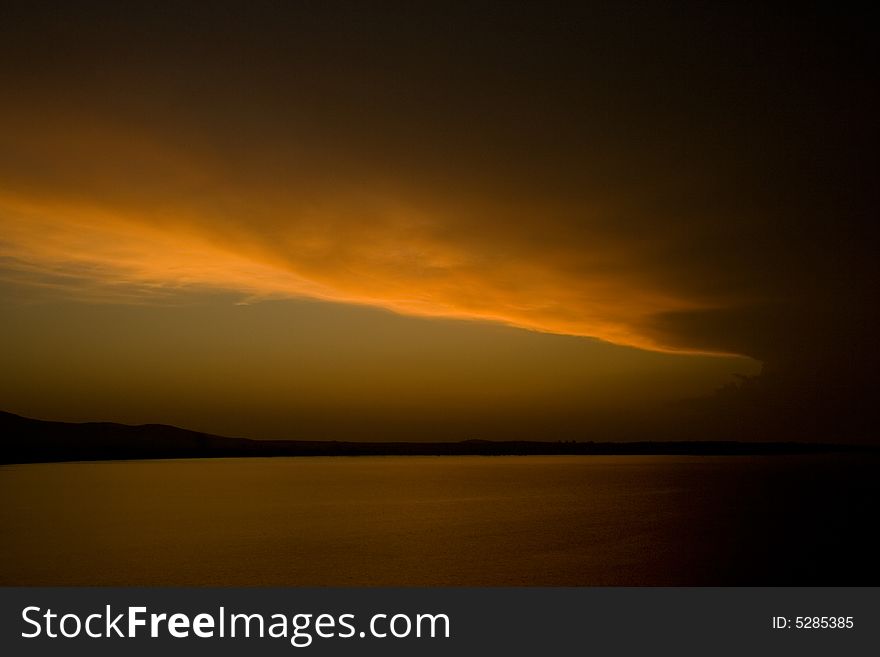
441 521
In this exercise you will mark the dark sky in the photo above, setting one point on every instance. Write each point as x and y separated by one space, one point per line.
346 219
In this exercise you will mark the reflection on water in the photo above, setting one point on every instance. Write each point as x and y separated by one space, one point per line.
384 521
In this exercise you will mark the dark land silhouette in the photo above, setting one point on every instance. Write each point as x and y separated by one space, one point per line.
28 440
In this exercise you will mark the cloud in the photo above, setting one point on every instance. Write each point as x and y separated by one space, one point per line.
420 257
675 191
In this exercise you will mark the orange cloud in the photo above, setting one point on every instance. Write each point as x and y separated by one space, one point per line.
395 261
111 212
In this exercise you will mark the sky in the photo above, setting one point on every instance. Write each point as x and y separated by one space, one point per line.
440 221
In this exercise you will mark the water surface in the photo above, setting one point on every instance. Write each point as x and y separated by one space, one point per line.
386 521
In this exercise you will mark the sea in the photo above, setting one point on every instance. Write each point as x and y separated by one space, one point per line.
443 521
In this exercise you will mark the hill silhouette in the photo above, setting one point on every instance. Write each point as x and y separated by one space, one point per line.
38 441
